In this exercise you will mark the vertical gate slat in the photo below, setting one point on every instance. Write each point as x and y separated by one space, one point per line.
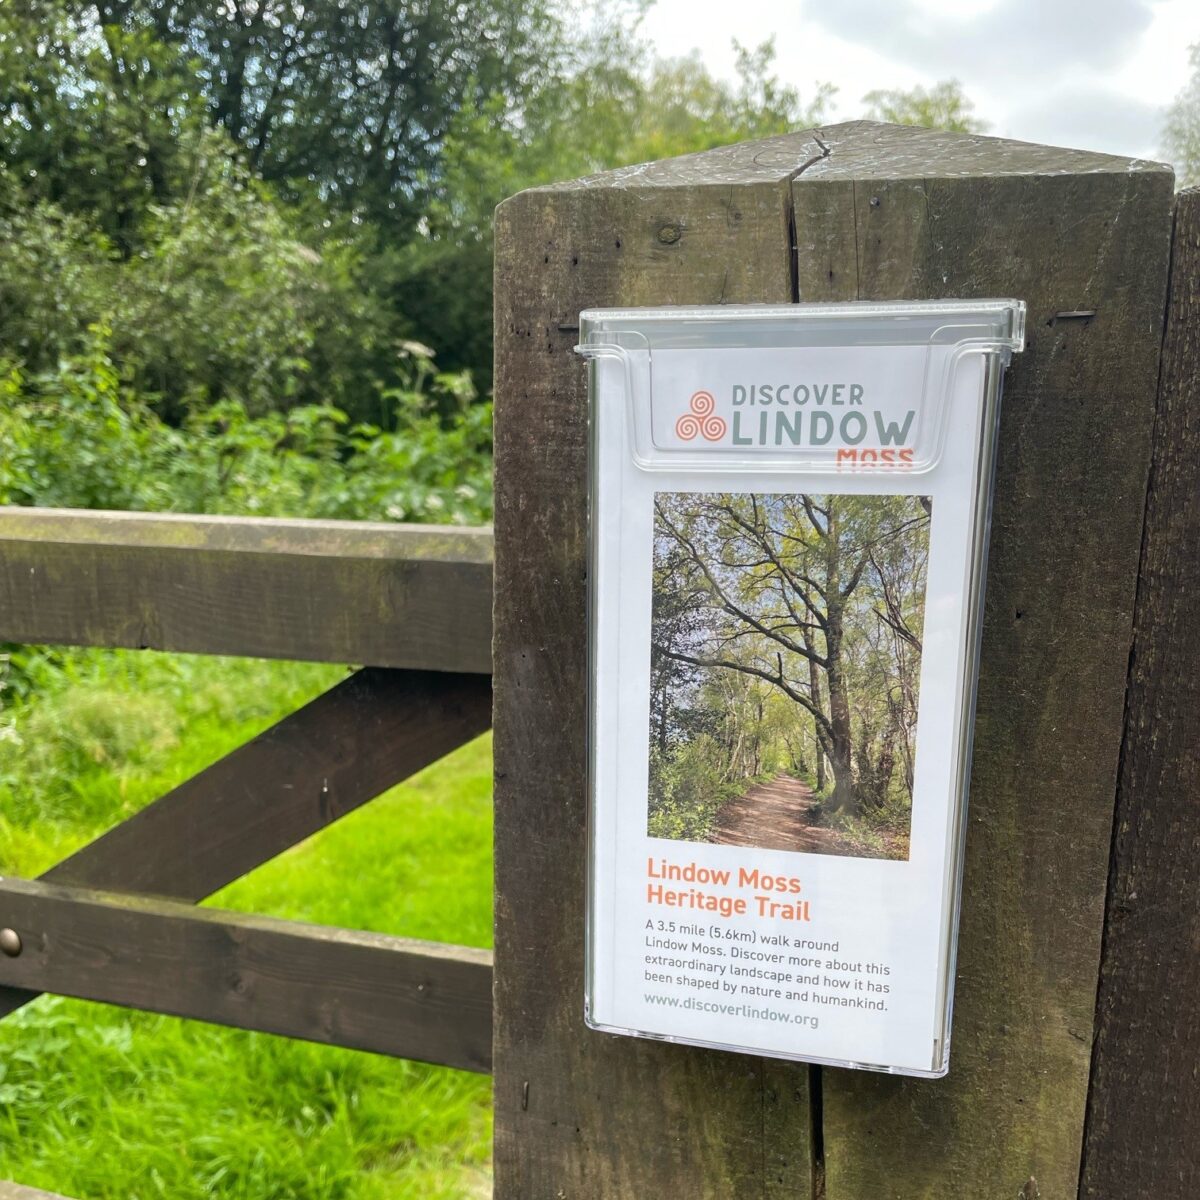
877 212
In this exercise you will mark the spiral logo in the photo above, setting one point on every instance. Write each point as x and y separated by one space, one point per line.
702 421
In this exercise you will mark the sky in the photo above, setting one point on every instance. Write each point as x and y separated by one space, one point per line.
1090 74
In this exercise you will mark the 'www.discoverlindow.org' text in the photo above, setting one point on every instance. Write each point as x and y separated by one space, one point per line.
731 1010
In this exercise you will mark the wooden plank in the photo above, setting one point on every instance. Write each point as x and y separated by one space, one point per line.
364 991
14 1191
939 215
323 761
1144 1107
326 591
337 752
580 1113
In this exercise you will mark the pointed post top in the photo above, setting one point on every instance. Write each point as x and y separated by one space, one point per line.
862 150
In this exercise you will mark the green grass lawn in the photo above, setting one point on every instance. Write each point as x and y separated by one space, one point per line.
106 1104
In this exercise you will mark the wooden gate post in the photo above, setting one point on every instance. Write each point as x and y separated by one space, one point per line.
858 211
1144 1107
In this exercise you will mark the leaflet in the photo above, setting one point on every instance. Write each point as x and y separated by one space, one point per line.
789 516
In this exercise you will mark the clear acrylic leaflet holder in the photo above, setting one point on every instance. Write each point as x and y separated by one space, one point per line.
840 399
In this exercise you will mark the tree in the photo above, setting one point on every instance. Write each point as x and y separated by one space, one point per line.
343 111
121 204
99 122
943 106
1181 135
794 591
380 135
214 298
348 102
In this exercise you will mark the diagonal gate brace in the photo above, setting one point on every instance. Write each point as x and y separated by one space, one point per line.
328 758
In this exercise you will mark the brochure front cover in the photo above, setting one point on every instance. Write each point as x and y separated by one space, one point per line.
789 525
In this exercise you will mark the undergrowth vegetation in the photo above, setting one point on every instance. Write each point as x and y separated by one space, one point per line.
691 792
78 436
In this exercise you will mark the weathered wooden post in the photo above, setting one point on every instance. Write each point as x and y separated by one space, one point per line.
869 212
1144 1107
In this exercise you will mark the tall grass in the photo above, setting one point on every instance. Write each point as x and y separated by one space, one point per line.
107 1104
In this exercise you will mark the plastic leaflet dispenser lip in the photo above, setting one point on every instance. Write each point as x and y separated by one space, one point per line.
918 346
788 528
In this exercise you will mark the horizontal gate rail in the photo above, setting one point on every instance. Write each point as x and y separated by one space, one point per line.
324 591
365 991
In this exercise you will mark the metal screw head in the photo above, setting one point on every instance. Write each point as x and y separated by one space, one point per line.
669 234
10 942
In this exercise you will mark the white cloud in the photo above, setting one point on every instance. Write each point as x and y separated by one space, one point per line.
1019 39
1070 116
1096 74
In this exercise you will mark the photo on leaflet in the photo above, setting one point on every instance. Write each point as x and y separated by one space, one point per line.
785 661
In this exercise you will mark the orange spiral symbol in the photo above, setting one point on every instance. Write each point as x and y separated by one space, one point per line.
701 420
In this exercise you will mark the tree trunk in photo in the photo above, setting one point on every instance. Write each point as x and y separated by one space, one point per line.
876 763
841 749
844 797
758 740
814 683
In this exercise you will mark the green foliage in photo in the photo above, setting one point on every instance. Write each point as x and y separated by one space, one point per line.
943 106
786 644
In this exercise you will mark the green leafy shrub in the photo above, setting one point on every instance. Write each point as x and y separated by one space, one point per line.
689 791
79 436
218 299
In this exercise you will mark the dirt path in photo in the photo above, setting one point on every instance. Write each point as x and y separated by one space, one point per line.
775 816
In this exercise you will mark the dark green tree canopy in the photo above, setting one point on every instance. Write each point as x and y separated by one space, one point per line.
350 101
